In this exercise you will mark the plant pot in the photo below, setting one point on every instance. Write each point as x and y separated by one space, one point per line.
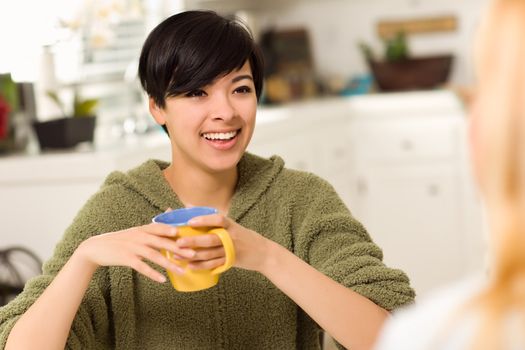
65 132
412 74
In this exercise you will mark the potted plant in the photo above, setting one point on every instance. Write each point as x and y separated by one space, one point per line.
69 130
399 70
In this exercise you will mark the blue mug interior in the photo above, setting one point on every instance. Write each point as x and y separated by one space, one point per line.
180 217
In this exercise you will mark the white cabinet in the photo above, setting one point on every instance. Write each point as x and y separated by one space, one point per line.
40 195
414 214
35 215
411 174
335 159
296 153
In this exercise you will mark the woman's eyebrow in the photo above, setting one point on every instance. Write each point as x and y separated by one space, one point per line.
241 77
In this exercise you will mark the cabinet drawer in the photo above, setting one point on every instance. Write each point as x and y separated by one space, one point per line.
390 140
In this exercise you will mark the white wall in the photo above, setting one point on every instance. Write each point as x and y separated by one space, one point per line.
337 25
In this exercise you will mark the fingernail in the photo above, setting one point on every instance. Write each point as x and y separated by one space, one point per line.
161 279
173 231
193 221
191 253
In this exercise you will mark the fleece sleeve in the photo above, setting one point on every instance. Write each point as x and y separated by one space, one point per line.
90 328
330 239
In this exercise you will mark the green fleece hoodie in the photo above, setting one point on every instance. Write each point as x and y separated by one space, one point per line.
125 310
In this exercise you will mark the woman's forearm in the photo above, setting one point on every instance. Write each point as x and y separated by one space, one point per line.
351 319
46 324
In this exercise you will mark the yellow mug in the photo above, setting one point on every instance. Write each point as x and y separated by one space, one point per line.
194 280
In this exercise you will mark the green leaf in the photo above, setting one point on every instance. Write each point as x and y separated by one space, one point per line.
366 51
397 48
54 97
84 108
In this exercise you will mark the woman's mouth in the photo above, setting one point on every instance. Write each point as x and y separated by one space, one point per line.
221 140
220 136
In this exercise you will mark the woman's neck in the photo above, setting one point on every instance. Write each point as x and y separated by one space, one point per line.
196 187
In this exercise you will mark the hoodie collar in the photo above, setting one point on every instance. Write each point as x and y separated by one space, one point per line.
255 176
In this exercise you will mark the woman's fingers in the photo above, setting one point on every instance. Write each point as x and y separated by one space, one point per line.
208 254
213 220
201 241
208 264
143 268
160 229
168 244
157 258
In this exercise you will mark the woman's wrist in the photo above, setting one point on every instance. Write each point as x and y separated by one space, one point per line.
271 255
81 257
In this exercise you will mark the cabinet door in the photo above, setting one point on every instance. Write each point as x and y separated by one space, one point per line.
38 213
413 214
297 150
407 140
334 162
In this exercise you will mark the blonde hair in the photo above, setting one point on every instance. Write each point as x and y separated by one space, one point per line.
499 158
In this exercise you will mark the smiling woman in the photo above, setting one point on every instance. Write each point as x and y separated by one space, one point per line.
303 263
207 105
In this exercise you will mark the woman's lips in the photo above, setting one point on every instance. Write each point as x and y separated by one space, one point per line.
222 140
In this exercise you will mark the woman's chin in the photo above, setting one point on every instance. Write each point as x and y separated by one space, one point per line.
225 163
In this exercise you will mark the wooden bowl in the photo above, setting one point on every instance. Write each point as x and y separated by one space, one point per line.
412 74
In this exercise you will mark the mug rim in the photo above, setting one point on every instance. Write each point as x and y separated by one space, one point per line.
185 215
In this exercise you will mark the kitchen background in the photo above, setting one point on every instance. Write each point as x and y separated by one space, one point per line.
389 136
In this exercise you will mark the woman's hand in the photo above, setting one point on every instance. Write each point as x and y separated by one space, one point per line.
132 246
250 247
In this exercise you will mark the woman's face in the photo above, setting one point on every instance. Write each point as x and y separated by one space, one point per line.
211 127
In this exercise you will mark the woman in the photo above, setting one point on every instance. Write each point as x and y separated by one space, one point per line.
486 313
302 260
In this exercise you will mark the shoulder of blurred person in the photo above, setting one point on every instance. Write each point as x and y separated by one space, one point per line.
432 323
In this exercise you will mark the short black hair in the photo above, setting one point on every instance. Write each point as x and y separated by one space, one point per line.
191 49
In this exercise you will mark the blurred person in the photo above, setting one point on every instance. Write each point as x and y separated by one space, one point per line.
485 311
303 262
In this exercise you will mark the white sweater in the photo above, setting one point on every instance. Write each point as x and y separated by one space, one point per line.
434 323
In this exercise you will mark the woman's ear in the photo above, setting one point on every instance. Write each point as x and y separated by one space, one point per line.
157 112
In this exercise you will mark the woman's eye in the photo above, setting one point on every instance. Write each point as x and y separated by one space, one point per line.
243 90
196 93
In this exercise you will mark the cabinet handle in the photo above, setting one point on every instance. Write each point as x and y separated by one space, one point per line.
339 153
362 187
433 190
407 145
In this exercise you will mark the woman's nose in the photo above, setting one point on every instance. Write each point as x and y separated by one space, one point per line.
223 108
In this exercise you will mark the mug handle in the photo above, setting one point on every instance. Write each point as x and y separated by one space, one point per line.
229 249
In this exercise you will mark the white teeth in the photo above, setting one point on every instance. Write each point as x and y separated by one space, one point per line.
220 135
